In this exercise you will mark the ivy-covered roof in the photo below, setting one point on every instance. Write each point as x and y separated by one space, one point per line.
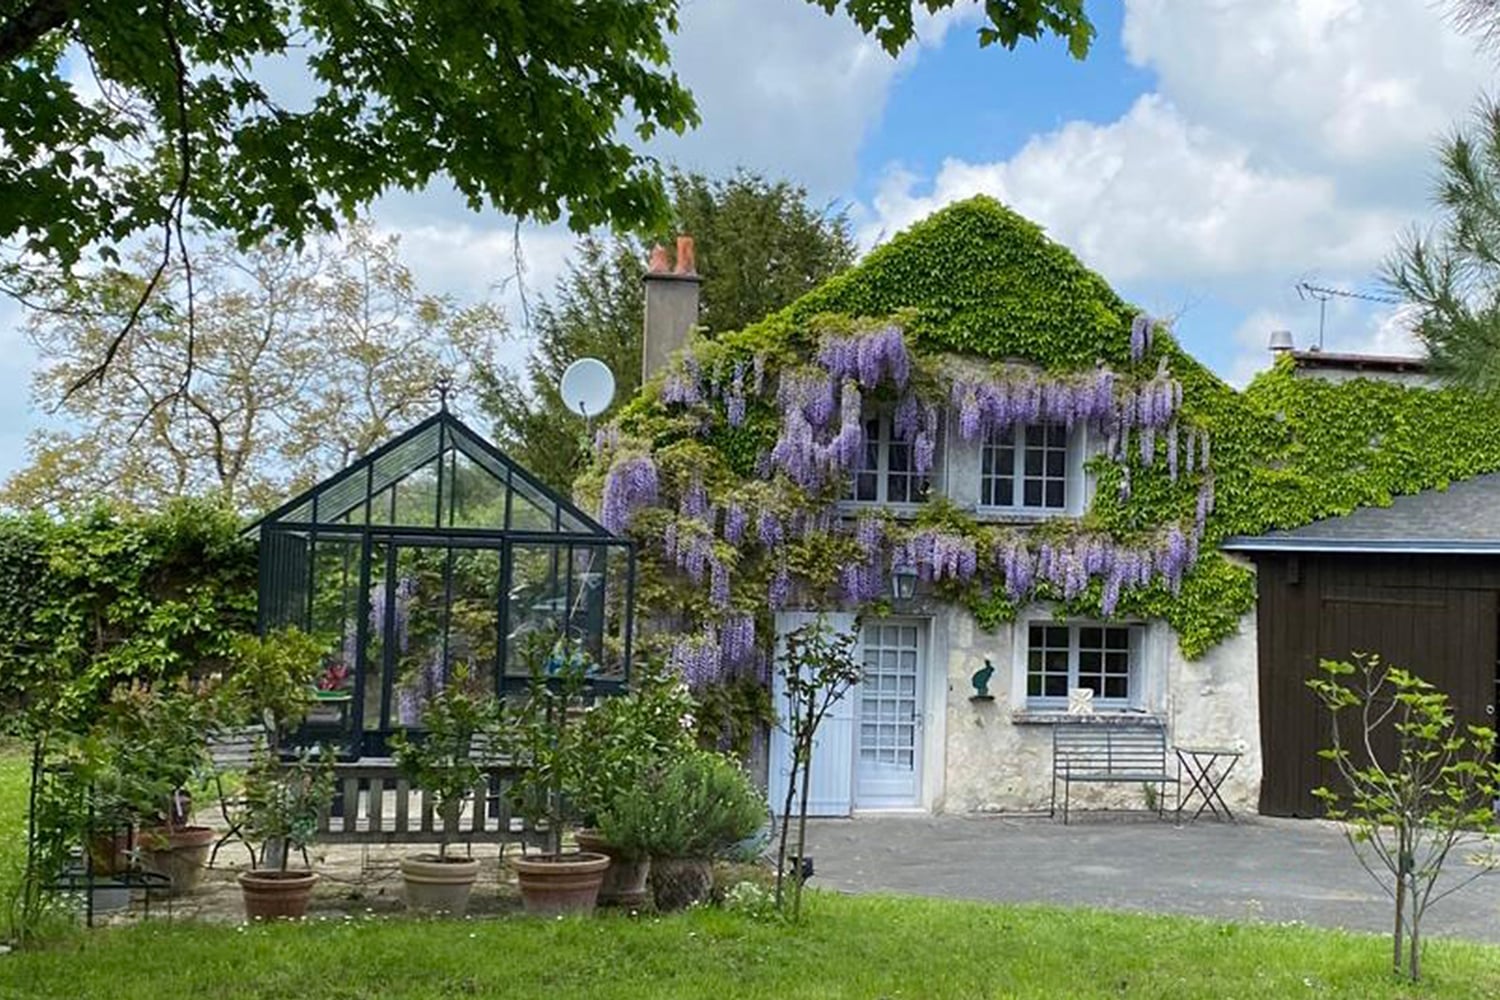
977 278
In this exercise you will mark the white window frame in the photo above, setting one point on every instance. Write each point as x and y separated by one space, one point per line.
1135 694
989 451
922 485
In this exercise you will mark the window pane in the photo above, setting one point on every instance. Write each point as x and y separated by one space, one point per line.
1057 635
1089 638
1055 463
1033 461
1057 686
1054 494
1033 493
1118 638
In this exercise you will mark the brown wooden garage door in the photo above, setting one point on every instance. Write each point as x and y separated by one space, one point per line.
1447 636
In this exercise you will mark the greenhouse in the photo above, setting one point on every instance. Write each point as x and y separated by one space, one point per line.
436 552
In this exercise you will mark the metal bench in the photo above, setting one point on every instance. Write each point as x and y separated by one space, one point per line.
1100 751
231 752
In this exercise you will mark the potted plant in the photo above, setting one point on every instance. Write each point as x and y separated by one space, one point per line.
157 739
688 811
549 752
440 761
620 743
282 802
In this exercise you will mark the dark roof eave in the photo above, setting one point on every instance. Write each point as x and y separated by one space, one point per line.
1435 546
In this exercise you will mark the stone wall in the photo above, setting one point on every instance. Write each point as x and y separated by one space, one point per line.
998 756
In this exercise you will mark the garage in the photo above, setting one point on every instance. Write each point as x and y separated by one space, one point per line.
1416 582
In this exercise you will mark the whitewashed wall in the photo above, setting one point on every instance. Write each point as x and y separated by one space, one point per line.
999 756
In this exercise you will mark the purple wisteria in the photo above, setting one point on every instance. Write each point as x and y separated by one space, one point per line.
630 485
1140 336
684 383
1018 394
868 358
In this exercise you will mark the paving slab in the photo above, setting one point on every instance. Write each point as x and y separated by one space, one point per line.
1258 869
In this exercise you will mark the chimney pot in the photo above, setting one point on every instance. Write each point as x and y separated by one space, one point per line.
686 255
1281 340
658 262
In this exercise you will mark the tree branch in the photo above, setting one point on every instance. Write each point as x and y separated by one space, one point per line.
23 31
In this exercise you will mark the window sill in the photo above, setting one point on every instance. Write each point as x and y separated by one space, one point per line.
1019 515
1104 717
902 511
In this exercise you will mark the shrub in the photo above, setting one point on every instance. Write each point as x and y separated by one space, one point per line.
695 806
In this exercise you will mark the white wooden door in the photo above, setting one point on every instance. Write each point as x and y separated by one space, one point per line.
889 709
831 789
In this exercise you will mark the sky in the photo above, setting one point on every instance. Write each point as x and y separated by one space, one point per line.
1205 158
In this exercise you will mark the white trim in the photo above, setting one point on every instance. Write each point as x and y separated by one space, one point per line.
1075 485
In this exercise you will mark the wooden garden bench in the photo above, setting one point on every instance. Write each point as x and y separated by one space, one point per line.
1110 752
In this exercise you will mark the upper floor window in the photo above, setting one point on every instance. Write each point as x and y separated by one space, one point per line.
1025 467
1102 658
887 469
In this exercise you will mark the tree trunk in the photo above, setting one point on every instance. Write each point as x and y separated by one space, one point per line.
1398 956
786 817
801 837
1414 945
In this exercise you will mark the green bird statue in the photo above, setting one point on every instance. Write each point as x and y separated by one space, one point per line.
981 679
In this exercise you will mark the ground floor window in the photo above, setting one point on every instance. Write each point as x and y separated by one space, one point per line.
1101 658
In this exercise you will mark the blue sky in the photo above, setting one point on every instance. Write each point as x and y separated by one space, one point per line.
1204 158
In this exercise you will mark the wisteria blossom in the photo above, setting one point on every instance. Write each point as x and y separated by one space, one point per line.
630 485
1140 336
870 358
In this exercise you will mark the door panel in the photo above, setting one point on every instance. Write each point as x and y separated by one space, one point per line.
831 788
888 743
1445 636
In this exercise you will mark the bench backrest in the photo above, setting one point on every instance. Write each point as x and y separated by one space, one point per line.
1109 748
234 749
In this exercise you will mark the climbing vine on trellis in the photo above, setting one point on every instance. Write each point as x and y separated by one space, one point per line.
731 466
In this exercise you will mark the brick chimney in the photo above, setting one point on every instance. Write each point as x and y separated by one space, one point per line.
671 304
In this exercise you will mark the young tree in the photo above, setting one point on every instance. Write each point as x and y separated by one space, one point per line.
817 670
301 363
760 245
1417 788
120 118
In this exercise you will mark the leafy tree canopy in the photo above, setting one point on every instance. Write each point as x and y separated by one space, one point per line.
121 118
760 246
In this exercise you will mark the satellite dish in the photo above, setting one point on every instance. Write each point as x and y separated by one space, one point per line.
587 387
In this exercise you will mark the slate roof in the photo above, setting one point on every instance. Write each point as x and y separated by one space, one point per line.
1464 518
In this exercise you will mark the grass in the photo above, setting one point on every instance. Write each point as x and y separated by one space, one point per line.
870 946
849 947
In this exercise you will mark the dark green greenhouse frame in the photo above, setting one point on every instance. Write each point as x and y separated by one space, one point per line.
436 550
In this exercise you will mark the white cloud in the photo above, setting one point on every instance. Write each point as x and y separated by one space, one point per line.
1310 80
1152 195
1285 139
785 89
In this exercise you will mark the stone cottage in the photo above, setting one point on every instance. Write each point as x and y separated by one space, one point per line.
973 451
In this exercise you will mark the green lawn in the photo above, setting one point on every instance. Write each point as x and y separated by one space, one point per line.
850 947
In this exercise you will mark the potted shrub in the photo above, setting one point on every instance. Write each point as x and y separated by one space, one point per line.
440 761
688 811
282 802
548 749
620 743
157 738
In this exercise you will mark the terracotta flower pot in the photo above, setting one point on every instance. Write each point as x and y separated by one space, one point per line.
109 853
272 894
433 885
178 853
677 883
625 879
553 884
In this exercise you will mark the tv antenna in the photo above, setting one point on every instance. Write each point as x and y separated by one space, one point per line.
1306 290
586 388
